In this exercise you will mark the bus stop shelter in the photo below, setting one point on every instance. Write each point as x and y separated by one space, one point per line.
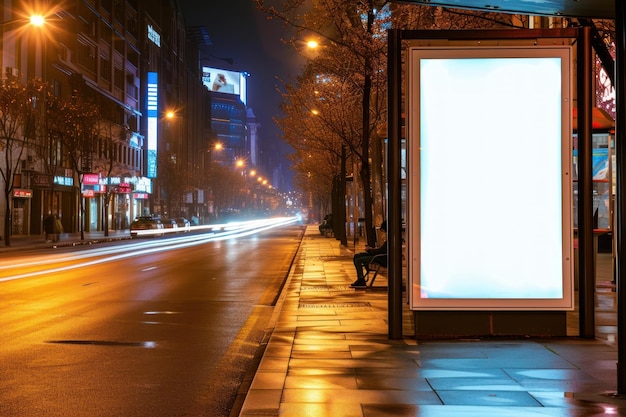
583 10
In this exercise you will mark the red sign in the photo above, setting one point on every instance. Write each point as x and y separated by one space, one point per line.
123 188
140 196
21 193
89 193
91 179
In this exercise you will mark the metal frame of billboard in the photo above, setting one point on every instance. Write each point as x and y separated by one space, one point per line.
490 193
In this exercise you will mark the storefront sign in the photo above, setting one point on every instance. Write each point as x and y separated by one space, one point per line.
89 193
22 193
91 179
69 181
140 196
40 180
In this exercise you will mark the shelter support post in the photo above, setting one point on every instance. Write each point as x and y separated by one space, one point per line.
620 212
394 222
586 256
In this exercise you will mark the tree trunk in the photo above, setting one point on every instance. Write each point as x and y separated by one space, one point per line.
7 219
342 192
107 203
81 212
365 143
365 153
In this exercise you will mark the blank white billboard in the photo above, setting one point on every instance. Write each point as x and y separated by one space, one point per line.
489 178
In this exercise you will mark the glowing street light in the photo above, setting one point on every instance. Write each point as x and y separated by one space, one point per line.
37 20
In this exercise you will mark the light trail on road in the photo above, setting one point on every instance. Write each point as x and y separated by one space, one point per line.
109 254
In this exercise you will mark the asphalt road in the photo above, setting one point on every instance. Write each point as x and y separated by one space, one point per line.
169 333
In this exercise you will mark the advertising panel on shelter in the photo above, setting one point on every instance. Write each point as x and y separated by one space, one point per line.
490 165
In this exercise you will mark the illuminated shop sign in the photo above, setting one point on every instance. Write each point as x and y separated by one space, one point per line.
91 179
152 113
224 81
22 193
154 36
135 140
67 181
491 175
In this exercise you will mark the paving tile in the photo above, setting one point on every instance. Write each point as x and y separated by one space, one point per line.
261 401
407 410
320 410
320 382
475 384
321 371
321 354
492 398
277 351
392 383
274 364
338 346
347 363
268 380
346 396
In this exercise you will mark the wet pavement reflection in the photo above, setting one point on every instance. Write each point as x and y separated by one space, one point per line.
329 355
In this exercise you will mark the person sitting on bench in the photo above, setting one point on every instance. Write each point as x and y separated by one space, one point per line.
362 259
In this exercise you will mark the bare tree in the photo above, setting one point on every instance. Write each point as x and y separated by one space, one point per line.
354 53
76 125
19 116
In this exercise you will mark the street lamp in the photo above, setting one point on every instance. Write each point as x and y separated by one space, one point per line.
33 20
37 20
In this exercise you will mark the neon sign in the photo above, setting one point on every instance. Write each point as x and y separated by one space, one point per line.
152 110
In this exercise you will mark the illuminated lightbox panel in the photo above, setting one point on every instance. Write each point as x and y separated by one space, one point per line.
489 186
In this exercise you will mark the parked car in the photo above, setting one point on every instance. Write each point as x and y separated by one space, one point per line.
145 223
170 224
183 224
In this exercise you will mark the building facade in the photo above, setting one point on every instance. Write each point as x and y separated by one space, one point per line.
129 58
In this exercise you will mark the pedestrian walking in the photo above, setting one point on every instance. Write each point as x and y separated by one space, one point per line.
48 227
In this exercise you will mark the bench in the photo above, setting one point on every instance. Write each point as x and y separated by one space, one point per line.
376 265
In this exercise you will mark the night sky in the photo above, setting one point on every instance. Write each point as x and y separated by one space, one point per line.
240 32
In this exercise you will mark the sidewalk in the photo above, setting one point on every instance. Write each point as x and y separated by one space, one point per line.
23 242
329 355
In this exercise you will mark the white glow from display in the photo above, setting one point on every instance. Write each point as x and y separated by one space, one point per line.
492 213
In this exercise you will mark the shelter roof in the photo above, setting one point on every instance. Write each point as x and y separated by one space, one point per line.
601 9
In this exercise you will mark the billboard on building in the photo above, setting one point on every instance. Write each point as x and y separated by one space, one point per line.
225 81
152 103
489 143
